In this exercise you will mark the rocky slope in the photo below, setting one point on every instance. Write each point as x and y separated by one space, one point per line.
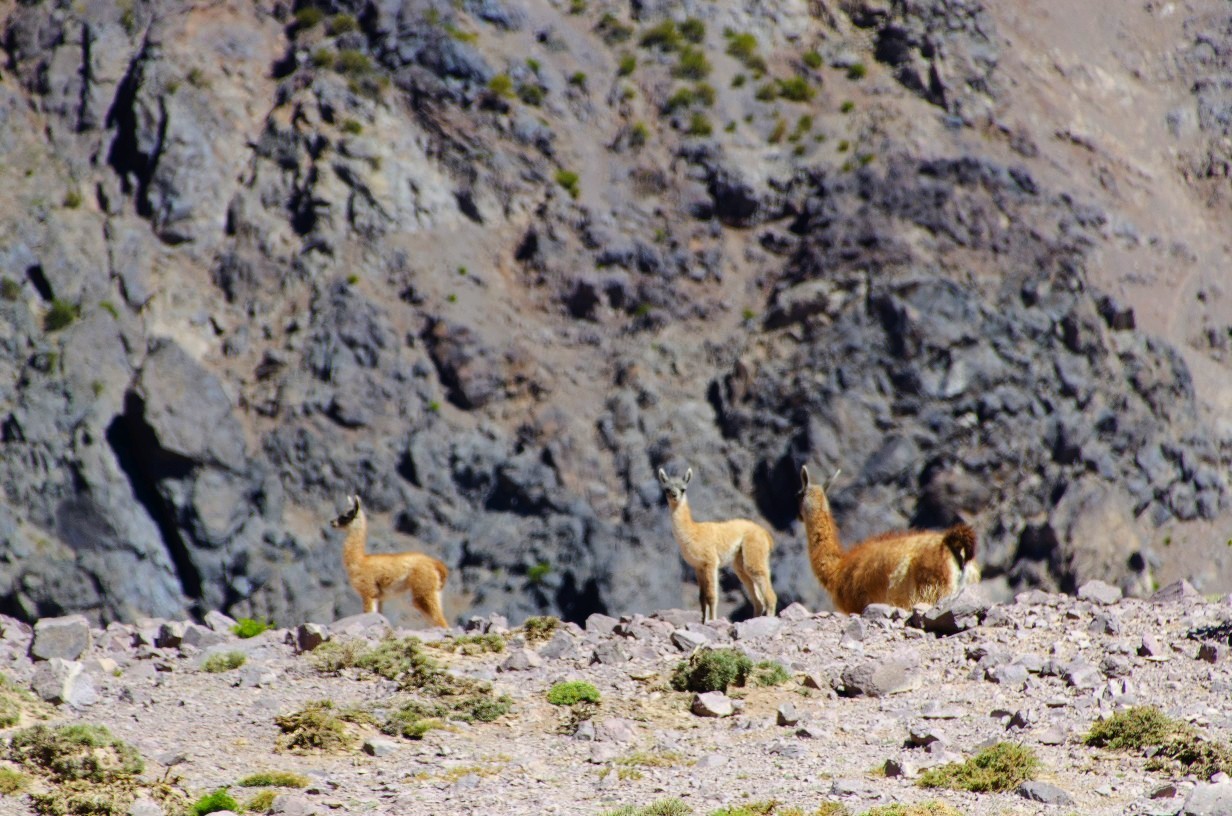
866 706
490 264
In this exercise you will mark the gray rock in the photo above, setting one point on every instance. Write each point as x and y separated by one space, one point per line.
294 804
880 678
1150 646
380 747
219 622
66 638
959 612
1209 800
368 624
309 636
601 624
616 729
170 635
521 660
710 761
200 637
610 653
1176 592
712 704
1008 674
758 628
1099 592
1044 792
1080 674
561 647
687 641
787 714
61 681
1052 735
585 731
934 710
144 806
922 736
1213 652
795 612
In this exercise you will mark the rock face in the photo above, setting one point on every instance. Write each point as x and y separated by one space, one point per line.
252 262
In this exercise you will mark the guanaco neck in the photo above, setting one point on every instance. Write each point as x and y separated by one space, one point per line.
825 553
353 553
682 520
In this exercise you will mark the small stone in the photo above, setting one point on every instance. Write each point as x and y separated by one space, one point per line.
686 640
1052 735
712 704
200 637
1008 674
711 761
1165 791
255 675
1081 674
602 752
144 806
812 732
379 747
560 647
609 653
1150 646
1176 592
219 622
308 636
1044 792
521 660
1099 592
756 628
880 679
170 635
367 624
952 615
846 787
1212 652
293 804
601 624
1105 624
788 750
787 714
923 735
880 611
816 680
616 729
939 711
585 731
66 638
59 681
795 612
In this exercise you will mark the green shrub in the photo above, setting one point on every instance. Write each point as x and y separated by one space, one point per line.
627 64
1143 727
12 782
76 752
308 16
577 6
693 30
612 30
699 125
770 673
795 89
743 46
692 64
847 107
1002 767
812 59
857 71
578 79
318 726
712 670
214 802
780 130
60 315
9 288
223 661
262 802
918 809
574 691
72 199
245 628
342 23
664 807
322 58
569 180
738 81
352 62
638 134
538 573
767 92
275 779
501 85
540 627
531 93
473 644
664 36
352 126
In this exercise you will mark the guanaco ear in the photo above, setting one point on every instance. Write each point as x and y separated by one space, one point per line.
830 482
688 474
662 476
804 482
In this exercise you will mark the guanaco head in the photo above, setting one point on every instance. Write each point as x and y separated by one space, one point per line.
813 496
352 512
673 488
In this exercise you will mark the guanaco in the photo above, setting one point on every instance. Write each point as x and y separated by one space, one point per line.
900 568
708 545
377 577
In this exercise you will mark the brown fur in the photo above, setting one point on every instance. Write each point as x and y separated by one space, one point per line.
708 545
377 577
901 569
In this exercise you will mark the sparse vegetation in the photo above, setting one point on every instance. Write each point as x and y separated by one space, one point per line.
245 628
638 134
577 6
342 23
795 89
501 85
308 16
857 71
322 58
72 199
918 809
274 779
540 628
699 125
12 782
196 78
743 46
627 64
716 669
578 79
490 643
612 30
532 93
352 62
571 692
352 126
664 36
664 807
692 64
1146 727
214 802
262 802
110 308
847 107
693 30
812 59
223 661
538 573
11 290
60 315
318 726
779 131
570 181
76 752
1001 767
700 95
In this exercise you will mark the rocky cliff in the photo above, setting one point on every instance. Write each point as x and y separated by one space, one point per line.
490 264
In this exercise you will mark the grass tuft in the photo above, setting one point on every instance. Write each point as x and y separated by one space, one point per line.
223 662
1173 741
214 802
12 782
60 315
245 628
663 807
716 669
76 752
318 727
472 644
1000 768
274 779
541 627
